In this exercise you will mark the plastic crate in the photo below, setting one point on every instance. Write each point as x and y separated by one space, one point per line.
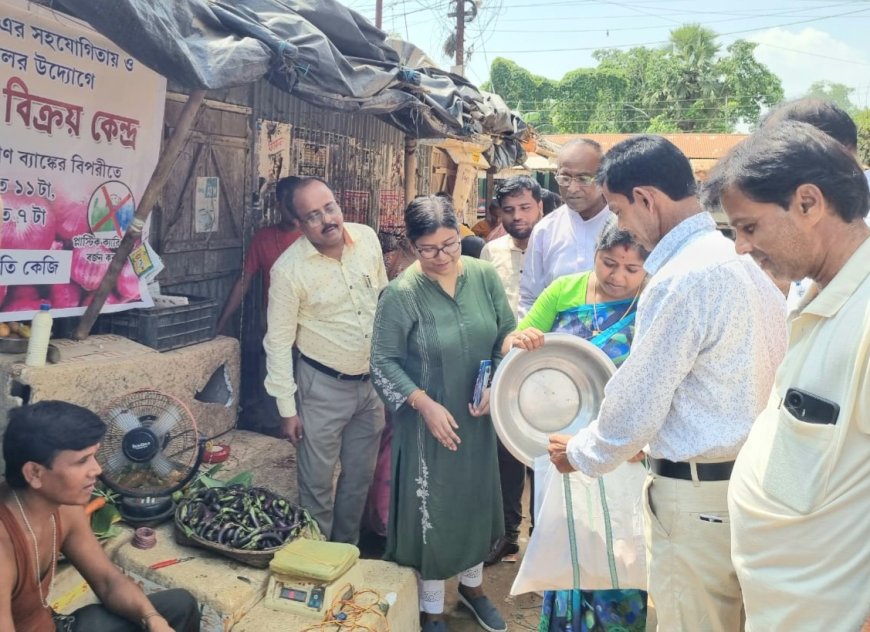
164 328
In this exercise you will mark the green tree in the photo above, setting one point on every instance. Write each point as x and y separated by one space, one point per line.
529 94
748 84
688 85
839 93
862 120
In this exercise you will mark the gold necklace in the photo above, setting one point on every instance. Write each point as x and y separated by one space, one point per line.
595 329
43 600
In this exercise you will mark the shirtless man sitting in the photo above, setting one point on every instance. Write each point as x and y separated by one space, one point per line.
51 470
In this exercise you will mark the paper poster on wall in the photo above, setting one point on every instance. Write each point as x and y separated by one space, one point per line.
80 129
207 210
390 206
273 150
310 159
147 264
355 205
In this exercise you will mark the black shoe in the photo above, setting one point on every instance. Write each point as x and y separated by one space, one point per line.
501 548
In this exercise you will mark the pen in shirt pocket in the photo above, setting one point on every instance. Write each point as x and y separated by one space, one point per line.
368 280
709 518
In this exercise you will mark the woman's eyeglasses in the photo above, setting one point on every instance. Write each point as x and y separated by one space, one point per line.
430 252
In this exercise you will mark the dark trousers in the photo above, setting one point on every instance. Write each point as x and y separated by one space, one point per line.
513 478
177 606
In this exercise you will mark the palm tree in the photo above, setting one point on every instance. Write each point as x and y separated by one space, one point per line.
691 85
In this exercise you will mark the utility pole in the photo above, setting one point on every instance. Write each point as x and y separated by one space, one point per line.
460 37
379 12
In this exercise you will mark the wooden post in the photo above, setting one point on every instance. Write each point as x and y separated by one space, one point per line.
379 12
490 188
410 169
149 197
460 37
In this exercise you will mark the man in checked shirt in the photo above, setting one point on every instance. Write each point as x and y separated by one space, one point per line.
710 335
322 298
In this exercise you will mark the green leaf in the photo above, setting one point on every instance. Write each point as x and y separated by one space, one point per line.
214 469
242 478
209 482
103 519
688 85
113 531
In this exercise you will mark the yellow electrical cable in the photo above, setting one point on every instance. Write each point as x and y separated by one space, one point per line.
355 612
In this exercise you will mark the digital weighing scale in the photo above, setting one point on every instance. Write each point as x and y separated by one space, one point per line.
310 597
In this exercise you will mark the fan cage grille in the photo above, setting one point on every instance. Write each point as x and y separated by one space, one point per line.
178 441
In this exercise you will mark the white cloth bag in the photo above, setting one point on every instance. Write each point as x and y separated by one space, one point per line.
596 545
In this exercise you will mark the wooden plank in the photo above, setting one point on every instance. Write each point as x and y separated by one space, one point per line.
177 97
235 125
162 172
174 247
216 139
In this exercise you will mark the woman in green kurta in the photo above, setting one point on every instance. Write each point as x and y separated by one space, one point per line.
434 325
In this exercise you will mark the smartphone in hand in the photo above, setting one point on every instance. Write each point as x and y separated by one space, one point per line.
482 381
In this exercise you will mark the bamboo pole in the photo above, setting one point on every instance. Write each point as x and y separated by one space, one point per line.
410 169
149 198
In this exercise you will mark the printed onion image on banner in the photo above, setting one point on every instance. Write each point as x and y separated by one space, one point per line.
80 129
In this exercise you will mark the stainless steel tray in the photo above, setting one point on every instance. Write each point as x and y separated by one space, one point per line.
556 389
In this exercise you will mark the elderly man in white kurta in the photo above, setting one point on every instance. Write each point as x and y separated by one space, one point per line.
800 491
563 242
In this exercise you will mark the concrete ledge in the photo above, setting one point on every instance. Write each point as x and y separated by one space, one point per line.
229 589
384 577
229 592
95 371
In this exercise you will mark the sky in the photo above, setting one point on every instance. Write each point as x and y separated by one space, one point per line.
801 41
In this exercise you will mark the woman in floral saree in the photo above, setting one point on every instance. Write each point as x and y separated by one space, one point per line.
598 306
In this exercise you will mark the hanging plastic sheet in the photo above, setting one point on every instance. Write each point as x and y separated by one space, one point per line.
318 50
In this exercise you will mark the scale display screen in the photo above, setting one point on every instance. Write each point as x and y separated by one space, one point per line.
294 594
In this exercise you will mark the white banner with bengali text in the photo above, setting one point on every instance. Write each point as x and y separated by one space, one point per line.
80 129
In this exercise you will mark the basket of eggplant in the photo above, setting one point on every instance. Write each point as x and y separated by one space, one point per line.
247 524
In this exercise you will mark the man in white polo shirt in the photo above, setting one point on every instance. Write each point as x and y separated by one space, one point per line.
800 490
833 121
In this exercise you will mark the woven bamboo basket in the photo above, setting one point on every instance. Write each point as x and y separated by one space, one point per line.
256 558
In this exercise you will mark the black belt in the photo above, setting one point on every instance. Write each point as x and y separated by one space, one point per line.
683 471
362 377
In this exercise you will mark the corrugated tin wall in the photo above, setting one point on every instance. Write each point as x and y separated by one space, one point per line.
360 156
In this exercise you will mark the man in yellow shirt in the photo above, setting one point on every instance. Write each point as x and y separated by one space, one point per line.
799 495
322 298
